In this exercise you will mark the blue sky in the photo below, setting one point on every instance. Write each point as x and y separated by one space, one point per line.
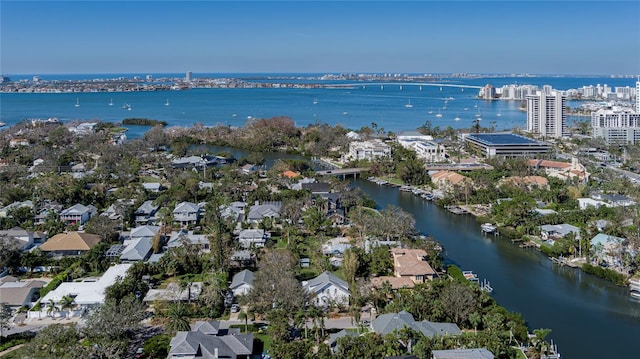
555 37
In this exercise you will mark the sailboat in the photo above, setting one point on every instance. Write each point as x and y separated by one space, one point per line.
457 118
400 87
167 103
315 101
77 102
438 114
499 114
431 111
408 105
111 102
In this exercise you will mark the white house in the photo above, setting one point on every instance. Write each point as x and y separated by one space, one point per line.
86 294
255 237
78 214
327 289
242 283
186 213
146 212
368 150
258 211
584 203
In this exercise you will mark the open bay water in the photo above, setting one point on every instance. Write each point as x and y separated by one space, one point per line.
353 106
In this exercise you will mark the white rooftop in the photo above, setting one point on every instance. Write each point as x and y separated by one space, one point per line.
90 292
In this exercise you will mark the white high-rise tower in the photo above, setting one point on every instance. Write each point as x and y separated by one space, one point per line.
638 95
546 114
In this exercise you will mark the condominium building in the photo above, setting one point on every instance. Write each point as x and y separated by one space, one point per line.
546 114
638 95
616 125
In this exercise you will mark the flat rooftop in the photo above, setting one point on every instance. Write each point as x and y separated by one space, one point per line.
502 139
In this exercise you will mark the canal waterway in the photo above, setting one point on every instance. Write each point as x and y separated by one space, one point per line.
589 317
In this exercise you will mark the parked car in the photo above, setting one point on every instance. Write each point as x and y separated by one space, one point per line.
235 308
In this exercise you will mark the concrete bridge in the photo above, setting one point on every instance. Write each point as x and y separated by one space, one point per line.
342 172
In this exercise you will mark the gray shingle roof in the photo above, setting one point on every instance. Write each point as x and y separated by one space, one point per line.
323 280
228 346
240 278
388 323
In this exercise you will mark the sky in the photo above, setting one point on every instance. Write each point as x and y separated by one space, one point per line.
536 37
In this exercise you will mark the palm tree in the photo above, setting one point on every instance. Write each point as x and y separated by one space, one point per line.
51 309
243 315
66 302
177 318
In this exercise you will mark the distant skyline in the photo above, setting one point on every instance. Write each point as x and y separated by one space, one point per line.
536 37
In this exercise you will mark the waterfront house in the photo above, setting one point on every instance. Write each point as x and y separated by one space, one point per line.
146 213
207 341
242 283
412 264
391 322
448 181
607 249
70 244
187 213
78 214
249 168
253 238
327 290
552 232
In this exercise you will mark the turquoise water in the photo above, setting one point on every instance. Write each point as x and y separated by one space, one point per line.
352 107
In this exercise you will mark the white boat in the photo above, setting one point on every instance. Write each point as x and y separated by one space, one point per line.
77 102
167 103
457 118
431 111
111 102
438 114
126 106
470 276
499 114
315 101
2 124
635 293
408 105
400 87
488 228
345 113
